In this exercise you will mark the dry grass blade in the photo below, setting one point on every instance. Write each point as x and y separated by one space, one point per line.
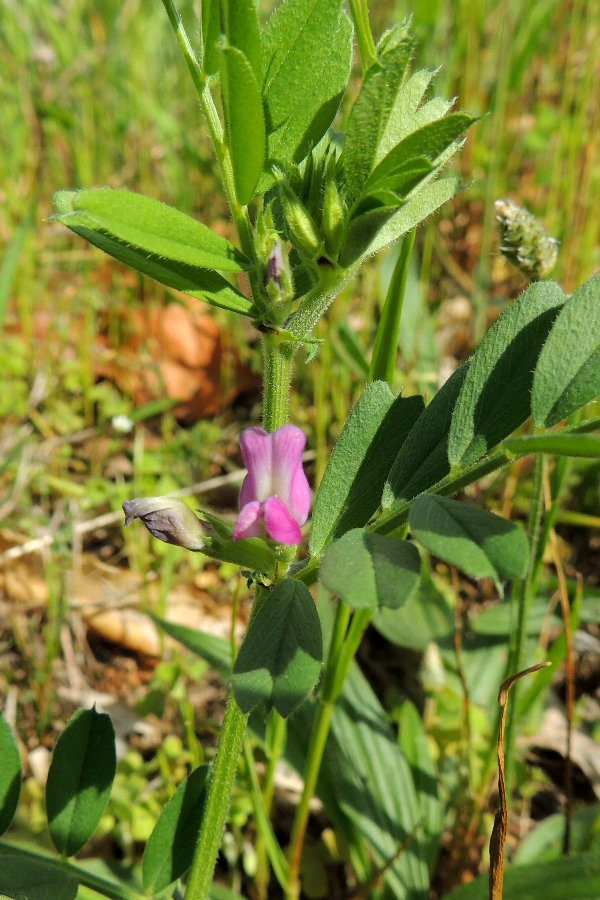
500 828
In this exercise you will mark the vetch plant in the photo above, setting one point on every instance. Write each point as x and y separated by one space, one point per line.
314 192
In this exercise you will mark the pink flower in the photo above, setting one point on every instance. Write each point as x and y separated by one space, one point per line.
275 496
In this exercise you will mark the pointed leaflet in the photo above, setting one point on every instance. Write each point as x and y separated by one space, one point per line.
170 849
197 281
428 142
149 225
244 121
406 115
10 774
372 109
350 491
370 570
307 54
494 399
80 778
567 375
280 658
423 458
373 231
479 543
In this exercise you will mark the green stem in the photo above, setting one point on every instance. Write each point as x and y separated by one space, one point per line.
344 643
102 885
223 771
522 598
276 745
366 45
358 626
316 749
385 351
276 379
275 740
238 212
277 376
316 301
263 824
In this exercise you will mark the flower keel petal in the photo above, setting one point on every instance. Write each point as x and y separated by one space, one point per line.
250 521
280 524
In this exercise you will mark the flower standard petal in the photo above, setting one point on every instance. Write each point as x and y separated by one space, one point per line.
250 521
255 444
288 481
280 524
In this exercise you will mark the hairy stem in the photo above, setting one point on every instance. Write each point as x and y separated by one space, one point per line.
276 380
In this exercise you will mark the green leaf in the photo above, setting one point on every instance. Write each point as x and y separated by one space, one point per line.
499 620
415 746
280 657
374 230
406 116
428 142
425 617
211 32
371 111
373 785
544 841
35 880
10 774
370 570
200 283
149 225
556 443
307 54
423 458
479 543
350 491
552 880
215 650
567 375
196 281
80 778
244 121
170 849
494 399
243 32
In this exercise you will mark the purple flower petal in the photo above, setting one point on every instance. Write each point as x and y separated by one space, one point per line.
255 444
250 521
288 481
280 524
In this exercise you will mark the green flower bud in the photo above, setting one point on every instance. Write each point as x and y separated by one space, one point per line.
334 214
167 519
525 241
302 229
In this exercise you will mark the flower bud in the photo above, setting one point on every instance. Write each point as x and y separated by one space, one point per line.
167 519
302 229
525 241
333 217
